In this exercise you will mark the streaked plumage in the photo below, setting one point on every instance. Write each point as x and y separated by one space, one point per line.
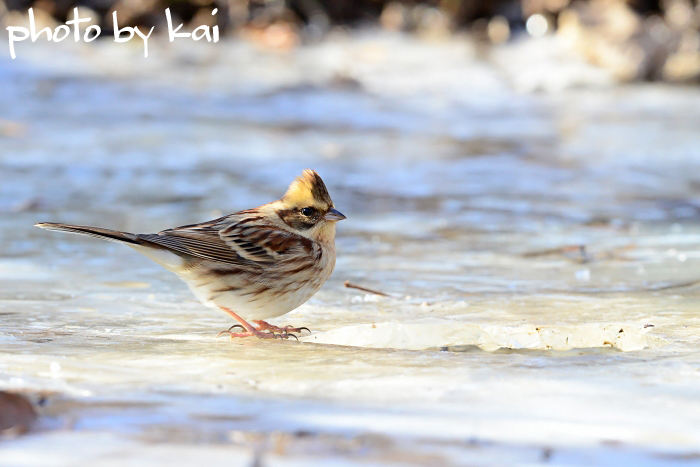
255 264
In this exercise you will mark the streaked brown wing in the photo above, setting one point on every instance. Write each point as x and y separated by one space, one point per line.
263 243
206 245
233 240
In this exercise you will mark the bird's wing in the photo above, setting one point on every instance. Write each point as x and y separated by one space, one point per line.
231 240
264 244
198 240
205 245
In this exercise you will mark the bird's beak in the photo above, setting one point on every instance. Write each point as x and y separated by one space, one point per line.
334 216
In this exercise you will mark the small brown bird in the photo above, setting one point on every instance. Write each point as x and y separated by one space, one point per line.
255 264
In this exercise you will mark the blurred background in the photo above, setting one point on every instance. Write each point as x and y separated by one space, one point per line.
636 40
522 185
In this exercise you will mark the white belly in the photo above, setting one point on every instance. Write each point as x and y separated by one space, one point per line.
263 306
258 298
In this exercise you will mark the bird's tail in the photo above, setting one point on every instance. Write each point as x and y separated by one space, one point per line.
105 234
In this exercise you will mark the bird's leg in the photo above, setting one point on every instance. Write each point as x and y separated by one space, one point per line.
248 329
265 326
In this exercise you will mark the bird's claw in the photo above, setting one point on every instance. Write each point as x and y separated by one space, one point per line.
258 334
265 331
230 330
265 326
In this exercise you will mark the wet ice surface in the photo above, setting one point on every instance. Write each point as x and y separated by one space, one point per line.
503 341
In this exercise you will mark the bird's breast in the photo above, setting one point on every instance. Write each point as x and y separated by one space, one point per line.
262 293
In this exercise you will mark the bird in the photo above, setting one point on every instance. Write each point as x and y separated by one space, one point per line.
256 264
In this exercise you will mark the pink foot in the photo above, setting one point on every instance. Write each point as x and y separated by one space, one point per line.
254 332
265 326
260 332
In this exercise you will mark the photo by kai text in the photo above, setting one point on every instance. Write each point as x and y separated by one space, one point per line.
93 31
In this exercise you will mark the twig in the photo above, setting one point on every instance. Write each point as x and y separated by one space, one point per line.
350 285
677 285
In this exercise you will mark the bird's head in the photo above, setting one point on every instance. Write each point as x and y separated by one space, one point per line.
307 207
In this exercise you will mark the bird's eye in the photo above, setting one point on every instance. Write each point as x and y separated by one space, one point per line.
308 212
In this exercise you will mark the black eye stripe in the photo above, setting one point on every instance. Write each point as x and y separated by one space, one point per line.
296 220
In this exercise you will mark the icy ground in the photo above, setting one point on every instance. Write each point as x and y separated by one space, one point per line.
534 225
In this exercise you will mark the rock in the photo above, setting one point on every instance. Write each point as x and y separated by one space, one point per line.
16 413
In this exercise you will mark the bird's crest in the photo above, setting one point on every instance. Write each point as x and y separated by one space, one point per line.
308 189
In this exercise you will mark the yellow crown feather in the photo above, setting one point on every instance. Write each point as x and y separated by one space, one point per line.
308 189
